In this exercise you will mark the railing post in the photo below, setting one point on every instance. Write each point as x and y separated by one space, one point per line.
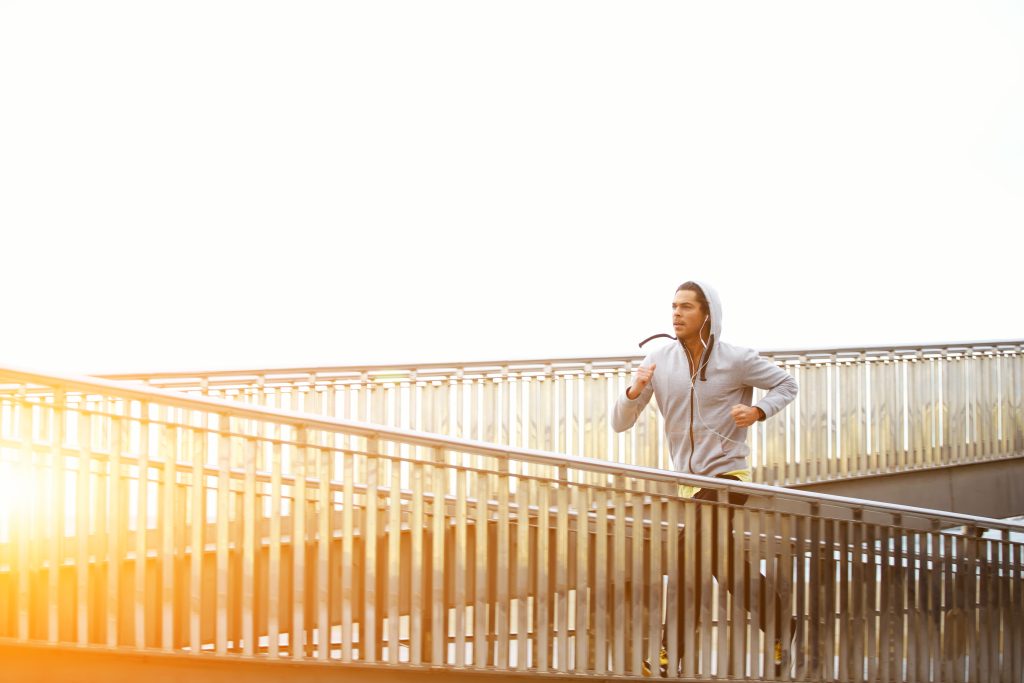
170 553
23 530
438 606
82 495
562 570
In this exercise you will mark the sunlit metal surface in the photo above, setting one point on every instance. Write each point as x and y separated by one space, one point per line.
859 411
144 519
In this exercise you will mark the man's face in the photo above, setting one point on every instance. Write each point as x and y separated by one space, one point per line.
687 315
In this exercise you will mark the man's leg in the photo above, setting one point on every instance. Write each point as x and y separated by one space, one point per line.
782 613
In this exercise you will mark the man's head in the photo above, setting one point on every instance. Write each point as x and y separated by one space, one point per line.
690 313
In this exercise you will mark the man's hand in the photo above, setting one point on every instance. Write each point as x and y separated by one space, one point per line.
643 377
744 416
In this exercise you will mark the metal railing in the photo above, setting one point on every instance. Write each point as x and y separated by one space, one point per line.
859 411
139 518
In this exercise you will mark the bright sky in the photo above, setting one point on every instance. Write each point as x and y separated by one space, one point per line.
199 185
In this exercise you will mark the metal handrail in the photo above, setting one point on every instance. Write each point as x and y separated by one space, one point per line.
428 440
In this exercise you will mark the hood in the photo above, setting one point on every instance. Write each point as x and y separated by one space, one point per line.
715 308
715 311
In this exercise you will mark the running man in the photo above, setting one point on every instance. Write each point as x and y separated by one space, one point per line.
704 388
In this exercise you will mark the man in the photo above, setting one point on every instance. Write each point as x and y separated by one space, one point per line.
704 388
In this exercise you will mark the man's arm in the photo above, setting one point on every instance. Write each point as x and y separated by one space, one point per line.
629 406
764 374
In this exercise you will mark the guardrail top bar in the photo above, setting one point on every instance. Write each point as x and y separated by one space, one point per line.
145 393
543 362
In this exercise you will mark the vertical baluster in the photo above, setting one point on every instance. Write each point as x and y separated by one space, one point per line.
416 574
688 590
813 562
250 515
972 561
844 609
480 596
582 628
704 586
573 415
1016 609
562 569
501 578
394 563
459 559
655 572
673 591
368 634
802 405
828 578
871 414
325 508
925 411
777 455
589 406
757 593
477 390
990 632
723 567
438 607
600 580
914 574
736 537
561 393
542 601
788 585
82 499
522 587
223 546
548 413
862 447
197 540
168 453
55 512
274 578
858 599
600 422
819 455
959 411
619 608
1004 658
301 463
1001 405
25 536
635 606
888 606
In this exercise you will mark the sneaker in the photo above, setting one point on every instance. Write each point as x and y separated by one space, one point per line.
781 657
782 654
648 671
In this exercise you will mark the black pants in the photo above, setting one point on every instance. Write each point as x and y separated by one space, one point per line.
703 545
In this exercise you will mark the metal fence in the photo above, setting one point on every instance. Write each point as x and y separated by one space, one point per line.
145 519
859 411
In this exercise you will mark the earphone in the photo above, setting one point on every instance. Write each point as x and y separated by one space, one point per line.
693 386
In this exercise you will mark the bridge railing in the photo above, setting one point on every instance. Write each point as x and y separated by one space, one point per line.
859 412
142 519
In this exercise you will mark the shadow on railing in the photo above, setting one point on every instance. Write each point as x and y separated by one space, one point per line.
860 411
140 518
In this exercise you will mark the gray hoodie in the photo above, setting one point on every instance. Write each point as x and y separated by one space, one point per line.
701 434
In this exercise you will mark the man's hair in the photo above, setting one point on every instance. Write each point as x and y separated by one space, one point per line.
691 286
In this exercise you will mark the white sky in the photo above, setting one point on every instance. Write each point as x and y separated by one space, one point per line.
189 185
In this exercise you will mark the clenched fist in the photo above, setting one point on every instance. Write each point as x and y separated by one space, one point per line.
643 377
744 416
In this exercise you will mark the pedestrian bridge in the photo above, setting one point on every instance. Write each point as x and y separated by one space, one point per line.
396 522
